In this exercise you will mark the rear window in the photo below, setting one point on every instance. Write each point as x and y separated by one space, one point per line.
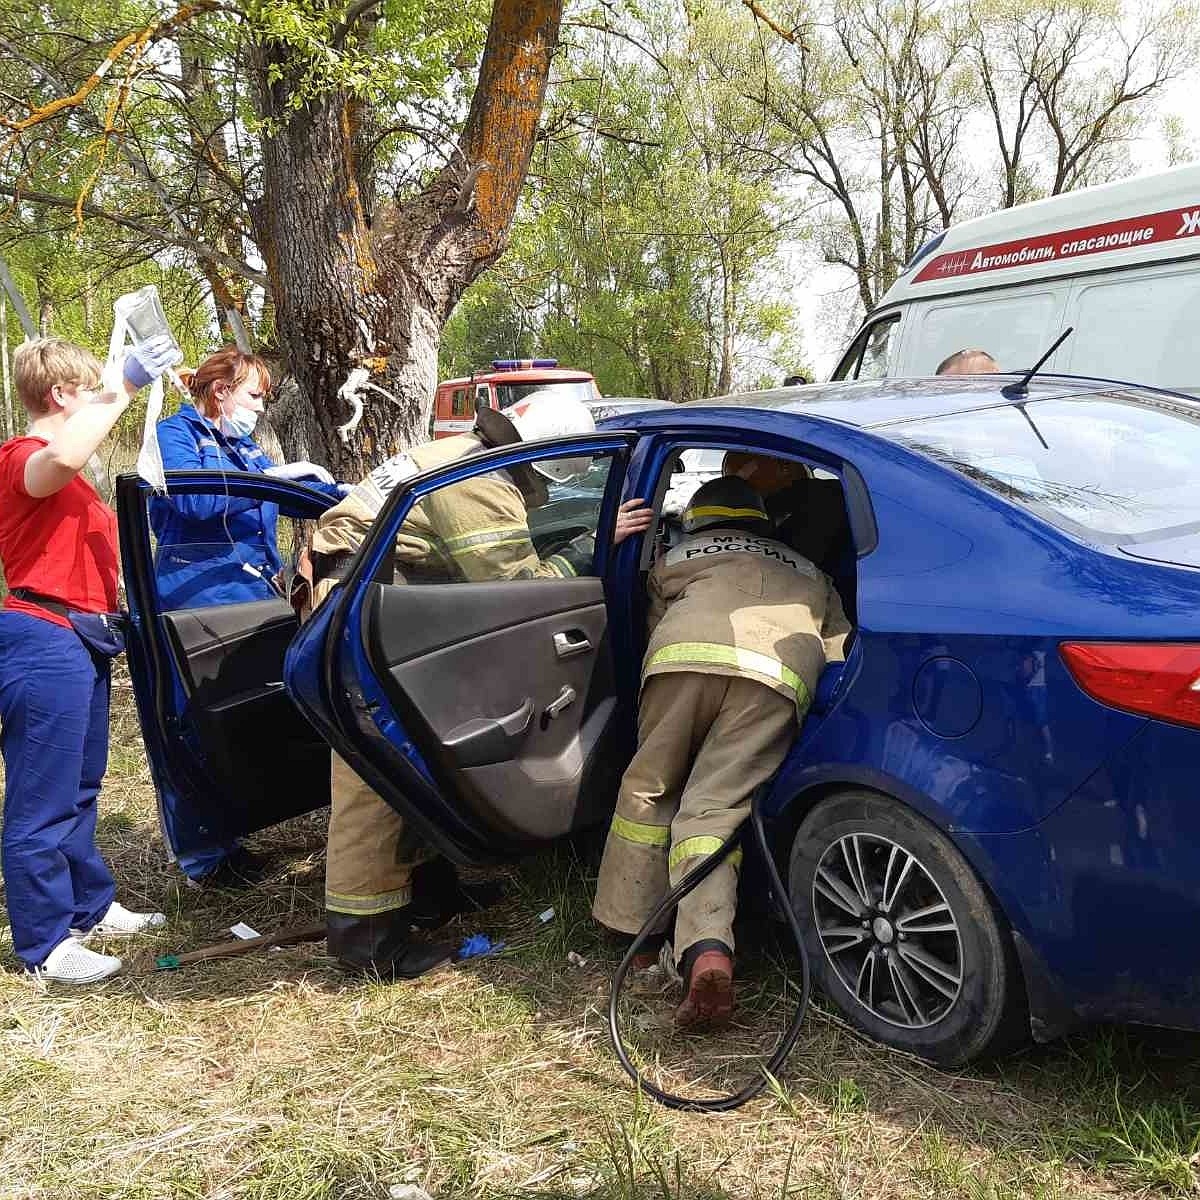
1109 467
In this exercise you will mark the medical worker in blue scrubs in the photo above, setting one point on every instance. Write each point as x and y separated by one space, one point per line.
220 549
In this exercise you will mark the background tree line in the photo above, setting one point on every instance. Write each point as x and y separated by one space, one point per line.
634 188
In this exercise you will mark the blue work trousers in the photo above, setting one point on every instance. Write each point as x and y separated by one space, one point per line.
54 698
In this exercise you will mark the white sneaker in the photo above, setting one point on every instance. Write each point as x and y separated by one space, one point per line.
69 962
118 921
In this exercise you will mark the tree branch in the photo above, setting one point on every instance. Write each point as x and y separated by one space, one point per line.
199 249
357 11
136 40
788 35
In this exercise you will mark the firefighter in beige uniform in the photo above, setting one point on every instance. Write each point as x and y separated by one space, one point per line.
740 628
381 881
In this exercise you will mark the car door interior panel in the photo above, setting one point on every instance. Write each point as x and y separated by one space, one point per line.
230 662
530 736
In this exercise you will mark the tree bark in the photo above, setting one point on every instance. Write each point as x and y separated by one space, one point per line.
353 292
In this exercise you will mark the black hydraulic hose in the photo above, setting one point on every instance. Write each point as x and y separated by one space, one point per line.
669 902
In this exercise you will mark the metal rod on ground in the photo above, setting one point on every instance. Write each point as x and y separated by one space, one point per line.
285 937
18 301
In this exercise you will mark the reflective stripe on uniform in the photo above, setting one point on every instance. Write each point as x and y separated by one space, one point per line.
369 905
700 847
469 543
719 510
643 835
561 566
732 656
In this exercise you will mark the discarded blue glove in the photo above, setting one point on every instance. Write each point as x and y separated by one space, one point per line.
145 363
478 945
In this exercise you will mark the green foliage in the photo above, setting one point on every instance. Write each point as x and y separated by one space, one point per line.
402 51
487 324
648 248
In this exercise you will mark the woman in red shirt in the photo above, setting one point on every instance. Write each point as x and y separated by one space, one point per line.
58 547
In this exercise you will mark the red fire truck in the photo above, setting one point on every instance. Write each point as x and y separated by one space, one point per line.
507 381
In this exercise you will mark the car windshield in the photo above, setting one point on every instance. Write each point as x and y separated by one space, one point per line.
1113 468
509 394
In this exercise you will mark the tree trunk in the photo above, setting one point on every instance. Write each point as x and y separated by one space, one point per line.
352 292
4 378
728 319
45 320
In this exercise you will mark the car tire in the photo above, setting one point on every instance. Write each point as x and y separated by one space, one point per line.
922 961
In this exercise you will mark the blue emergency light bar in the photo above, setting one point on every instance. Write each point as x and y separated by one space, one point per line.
522 364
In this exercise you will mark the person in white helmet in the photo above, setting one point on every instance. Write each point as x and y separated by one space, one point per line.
382 884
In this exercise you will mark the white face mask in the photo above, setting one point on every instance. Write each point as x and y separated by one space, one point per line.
240 423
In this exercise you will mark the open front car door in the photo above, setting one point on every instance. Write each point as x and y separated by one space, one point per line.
463 669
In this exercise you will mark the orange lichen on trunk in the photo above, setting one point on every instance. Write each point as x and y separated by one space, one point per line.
360 237
507 106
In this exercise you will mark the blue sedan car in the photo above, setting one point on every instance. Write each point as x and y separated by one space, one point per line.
989 818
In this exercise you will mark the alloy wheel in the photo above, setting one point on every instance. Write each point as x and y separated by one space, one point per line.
887 930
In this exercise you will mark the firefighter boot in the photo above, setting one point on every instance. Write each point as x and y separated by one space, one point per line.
382 944
707 970
439 894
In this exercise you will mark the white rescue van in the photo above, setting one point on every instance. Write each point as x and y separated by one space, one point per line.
1120 263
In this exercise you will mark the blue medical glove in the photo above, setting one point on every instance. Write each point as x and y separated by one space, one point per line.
145 363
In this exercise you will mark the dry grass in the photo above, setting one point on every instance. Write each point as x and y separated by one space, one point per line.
275 1076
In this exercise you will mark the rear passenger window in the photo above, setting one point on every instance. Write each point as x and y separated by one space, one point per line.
519 523
1141 330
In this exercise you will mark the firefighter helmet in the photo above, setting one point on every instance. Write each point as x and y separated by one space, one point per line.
725 502
546 414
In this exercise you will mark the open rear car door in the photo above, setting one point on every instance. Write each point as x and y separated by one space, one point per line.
228 750
482 707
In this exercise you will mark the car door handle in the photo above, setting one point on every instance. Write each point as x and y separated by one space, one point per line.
558 706
574 641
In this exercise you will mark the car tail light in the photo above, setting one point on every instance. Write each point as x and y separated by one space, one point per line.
1159 679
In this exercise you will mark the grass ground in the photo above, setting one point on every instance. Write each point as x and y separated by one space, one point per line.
275 1077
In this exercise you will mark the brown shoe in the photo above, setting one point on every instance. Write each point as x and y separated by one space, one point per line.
708 1003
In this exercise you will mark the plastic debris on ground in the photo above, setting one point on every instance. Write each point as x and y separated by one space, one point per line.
244 931
576 960
478 945
546 916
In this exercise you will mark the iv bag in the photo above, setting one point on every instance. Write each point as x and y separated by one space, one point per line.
142 312
139 315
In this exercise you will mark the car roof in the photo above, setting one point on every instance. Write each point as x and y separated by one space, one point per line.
612 406
869 405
